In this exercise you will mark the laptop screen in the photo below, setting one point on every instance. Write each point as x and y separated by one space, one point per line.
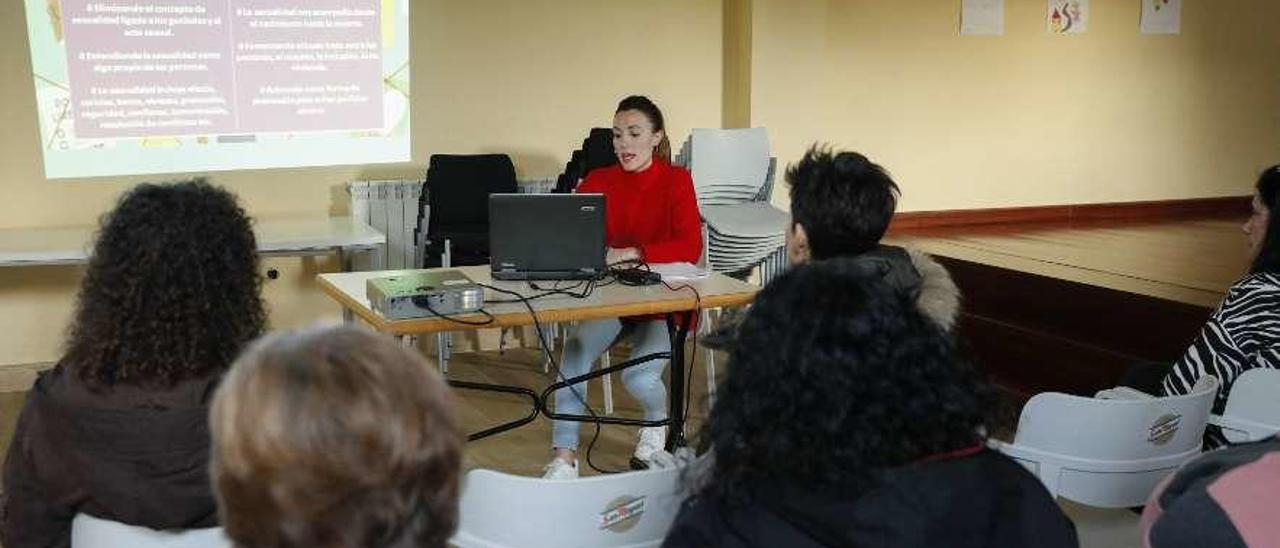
546 236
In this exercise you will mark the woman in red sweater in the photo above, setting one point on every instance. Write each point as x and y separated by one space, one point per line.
651 214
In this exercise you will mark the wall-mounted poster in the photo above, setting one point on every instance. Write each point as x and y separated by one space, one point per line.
1161 16
982 17
1068 16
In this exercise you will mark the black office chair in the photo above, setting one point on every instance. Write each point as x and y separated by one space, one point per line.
596 152
457 190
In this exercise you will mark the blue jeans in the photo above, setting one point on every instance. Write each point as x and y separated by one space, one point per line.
586 343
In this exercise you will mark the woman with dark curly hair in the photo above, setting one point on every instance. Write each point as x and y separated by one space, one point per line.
849 420
118 428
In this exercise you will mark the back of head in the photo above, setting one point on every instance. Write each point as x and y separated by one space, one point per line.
335 437
835 377
843 200
1268 190
171 291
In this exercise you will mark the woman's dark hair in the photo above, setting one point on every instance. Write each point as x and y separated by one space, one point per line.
643 105
171 291
1268 187
843 200
335 436
835 378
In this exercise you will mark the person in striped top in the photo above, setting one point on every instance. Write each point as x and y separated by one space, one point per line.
1244 332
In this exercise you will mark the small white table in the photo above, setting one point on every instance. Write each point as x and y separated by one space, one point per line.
276 237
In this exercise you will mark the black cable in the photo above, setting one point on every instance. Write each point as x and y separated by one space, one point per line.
537 325
618 275
693 356
627 275
426 303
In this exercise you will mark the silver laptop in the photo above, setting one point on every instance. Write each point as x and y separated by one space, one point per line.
546 236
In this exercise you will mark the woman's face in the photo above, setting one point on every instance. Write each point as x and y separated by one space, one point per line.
1256 226
634 140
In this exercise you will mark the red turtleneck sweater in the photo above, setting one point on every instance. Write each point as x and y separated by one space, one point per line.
653 210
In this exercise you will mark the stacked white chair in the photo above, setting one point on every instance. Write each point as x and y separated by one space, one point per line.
632 509
1253 407
1112 450
90 532
733 177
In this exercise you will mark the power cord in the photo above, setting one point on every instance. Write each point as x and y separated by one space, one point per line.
425 302
638 273
555 366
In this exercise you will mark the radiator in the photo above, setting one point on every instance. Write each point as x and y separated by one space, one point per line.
392 208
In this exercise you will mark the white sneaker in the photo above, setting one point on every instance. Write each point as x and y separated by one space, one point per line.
652 440
559 469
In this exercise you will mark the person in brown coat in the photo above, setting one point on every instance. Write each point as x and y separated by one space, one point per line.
118 428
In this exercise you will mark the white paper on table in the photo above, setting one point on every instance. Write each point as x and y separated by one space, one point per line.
1068 16
1161 16
679 271
982 17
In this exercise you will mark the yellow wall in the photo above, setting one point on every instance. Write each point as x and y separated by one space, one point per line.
525 77
737 64
1026 118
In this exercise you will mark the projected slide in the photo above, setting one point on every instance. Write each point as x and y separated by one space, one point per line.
168 86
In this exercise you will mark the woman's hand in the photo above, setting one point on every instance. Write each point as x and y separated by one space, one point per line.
617 255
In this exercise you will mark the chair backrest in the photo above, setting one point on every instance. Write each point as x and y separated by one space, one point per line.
1253 406
728 165
596 152
704 260
458 189
1110 452
90 532
633 509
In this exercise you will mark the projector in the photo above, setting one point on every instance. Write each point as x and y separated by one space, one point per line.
419 294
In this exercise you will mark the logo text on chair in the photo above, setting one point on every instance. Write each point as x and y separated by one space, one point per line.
1163 429
622 513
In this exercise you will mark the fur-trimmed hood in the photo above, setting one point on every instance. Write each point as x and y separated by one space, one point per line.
939 298
914 273
909 271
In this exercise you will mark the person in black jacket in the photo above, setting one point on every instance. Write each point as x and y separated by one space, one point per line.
849 420
118 429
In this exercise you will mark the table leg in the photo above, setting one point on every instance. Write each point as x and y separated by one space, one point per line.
534 401
676 435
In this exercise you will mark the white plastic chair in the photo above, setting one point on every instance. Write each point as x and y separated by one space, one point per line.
632 509
1109 452
90 532
728 165
733 180
1253 407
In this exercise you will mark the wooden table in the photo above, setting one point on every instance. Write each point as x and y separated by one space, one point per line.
607 301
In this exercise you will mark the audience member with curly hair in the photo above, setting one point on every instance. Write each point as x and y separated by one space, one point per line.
335 437
850 420
118 428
